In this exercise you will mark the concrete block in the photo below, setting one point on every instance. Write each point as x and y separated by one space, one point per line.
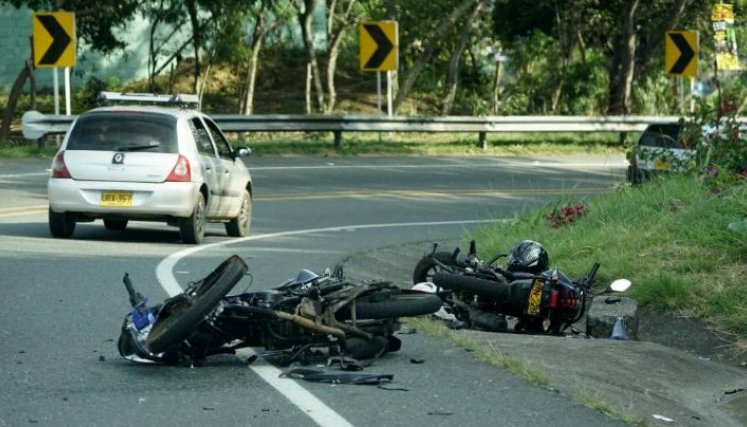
602 316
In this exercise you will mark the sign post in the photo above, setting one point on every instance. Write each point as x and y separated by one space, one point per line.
54 47
379 51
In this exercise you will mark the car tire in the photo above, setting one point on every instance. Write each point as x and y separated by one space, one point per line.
634 175
241 225
61 225
115 224
192 228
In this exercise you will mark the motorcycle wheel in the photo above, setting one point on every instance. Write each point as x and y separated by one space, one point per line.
187 311
403 303
426 268
490 288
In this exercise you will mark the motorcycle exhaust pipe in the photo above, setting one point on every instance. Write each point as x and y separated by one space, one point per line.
300 320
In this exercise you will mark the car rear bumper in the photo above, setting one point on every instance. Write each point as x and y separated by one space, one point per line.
149 200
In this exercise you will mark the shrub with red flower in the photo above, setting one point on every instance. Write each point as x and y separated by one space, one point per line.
566 215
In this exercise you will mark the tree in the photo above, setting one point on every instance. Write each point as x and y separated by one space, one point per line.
305 9
95 24
436 33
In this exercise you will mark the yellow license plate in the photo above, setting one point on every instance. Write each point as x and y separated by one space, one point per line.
117 199
535 298
661 165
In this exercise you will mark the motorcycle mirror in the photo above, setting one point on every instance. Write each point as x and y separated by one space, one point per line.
472 248
620 285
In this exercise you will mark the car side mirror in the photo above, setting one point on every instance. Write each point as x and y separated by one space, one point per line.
244 152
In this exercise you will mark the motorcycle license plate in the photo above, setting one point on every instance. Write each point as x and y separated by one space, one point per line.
535 297
117 199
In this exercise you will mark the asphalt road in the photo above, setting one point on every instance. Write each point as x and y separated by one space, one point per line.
63 301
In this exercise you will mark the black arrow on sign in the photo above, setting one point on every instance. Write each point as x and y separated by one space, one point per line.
686 53
60 40
383 46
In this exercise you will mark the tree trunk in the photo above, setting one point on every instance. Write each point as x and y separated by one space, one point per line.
452 69
440 30
251 75
306 18
15 93
196 43
621 76
334 37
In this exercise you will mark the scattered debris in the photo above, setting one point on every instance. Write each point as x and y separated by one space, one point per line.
417 361
321 376
406 330
207 408
662 418
618 330
443 413
735 391
102 358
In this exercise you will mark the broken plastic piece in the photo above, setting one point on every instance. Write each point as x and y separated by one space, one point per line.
662 418
618 330
321 376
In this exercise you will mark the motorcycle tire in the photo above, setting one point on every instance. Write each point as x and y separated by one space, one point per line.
187 312
402 303
498 289
426 268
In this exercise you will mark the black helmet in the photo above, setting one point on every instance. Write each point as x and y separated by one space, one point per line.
528 256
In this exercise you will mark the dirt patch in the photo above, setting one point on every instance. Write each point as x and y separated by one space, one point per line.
688 334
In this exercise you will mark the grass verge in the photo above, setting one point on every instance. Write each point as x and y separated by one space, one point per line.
518 367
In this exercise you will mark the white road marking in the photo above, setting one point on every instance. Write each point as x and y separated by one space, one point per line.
309 404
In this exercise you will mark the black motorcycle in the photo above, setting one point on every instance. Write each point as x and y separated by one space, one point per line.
350 318
482 294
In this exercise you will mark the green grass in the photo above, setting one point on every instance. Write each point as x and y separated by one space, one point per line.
670 237
593 401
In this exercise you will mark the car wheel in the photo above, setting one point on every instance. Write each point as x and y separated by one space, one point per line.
61 225
192 228
634 175
240 226
115 224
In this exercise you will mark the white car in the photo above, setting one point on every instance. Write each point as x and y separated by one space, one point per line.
146 163
659 149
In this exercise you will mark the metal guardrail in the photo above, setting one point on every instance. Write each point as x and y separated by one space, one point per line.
37 125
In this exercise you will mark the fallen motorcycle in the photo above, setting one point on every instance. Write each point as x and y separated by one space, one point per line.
349 318
482 294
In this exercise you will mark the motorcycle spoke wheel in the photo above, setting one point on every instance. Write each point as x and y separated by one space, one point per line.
427 267
186 316
402 303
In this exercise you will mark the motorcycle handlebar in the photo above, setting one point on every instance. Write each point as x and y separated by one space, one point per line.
134 296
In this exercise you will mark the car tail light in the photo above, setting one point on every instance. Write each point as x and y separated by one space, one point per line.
181 172
59 168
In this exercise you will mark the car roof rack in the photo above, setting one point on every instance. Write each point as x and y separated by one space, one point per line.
181 100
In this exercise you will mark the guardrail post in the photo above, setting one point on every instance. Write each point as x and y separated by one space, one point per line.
338 138
482 140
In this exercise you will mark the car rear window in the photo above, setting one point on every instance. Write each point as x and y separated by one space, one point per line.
662 136
124 131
